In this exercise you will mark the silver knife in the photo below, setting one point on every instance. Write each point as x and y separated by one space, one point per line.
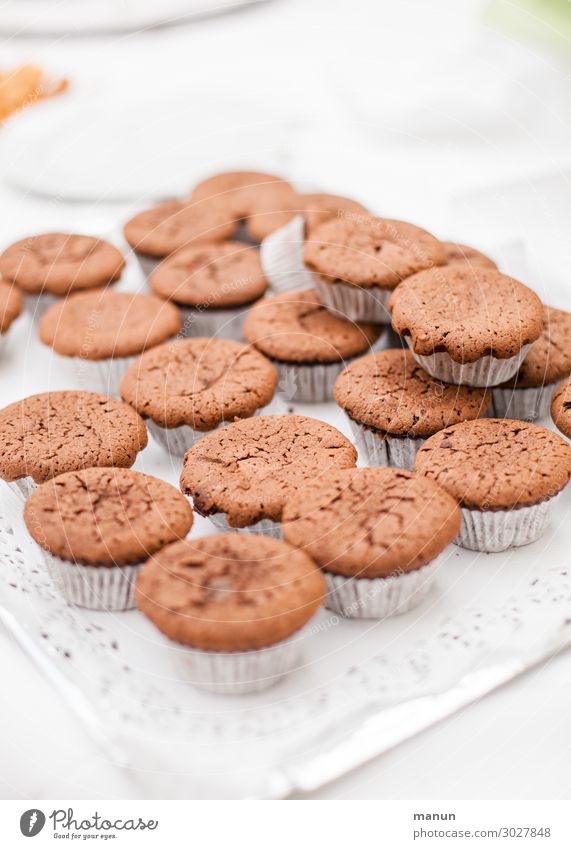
387 727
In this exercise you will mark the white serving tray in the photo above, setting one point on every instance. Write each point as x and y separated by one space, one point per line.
118 673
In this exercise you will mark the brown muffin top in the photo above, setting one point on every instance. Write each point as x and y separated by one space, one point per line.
296 327
371 523
496 464
172 225
106 517
549 358
212 276
199 382
367 251
54 432
320 206
61 262
230 592
249 469
561 407
10 305
102 324
458 254
258 199
390 392
466 312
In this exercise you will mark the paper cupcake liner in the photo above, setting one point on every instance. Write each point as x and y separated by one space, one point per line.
281 254
528 404
147 263
36 305
224 324
236 673
103 376
378 598
377 450
487 371
23 487
497 530
94 587
354 303
4 341
308 382
266 527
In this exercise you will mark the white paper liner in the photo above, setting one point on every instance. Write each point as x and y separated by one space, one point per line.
103 376
527 404
281 254
23 487
378 598
223 324
4 341
147 263
266 527
37 305
354 303
308 382
487 371
94 587
376 450
498 530
236 673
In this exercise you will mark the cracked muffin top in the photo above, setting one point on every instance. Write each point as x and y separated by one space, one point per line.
104 324
371 523
366 251
172 225
496 464
249 469
296 327
199 382
230 592
106 517
59 263
391 393
45 435
549 358
467 313
212 276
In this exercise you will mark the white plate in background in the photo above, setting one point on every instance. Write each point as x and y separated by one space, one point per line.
81 17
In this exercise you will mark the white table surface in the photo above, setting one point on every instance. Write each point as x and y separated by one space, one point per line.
413 108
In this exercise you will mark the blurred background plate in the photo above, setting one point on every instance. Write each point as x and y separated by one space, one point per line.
78 17
98 146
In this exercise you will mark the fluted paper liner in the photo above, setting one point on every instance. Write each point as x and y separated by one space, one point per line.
498 530
528 404
487 371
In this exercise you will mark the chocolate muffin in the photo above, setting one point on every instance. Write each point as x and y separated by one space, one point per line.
308 345
167 227
97 527
51 265
239 603
393 406
376 533
186 388
241 475
11 304
45 435
357 262
458 254
561 407
103 332
470 326
505 474
212 285
528 394
258 200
